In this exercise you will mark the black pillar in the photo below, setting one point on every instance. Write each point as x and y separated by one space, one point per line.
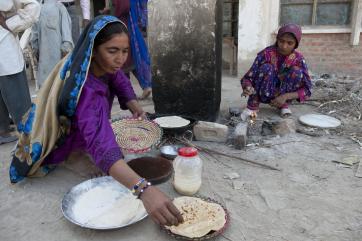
185 45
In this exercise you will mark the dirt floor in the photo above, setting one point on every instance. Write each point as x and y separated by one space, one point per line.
311 198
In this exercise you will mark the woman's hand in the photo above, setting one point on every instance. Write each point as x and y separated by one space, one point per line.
279 101
160 207
139 114
136 109
248 90
157 204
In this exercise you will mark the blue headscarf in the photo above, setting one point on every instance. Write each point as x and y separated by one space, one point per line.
76 67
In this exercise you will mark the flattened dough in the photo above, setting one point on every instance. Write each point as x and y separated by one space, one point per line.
171 121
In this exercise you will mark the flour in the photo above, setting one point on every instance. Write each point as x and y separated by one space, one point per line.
104 207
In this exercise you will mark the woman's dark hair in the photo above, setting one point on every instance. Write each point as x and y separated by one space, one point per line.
108 32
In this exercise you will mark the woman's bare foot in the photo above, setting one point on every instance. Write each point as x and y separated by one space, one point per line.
145 94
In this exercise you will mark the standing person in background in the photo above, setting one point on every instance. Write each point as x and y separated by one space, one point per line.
98 6
134 13
51 37
73 13
15 17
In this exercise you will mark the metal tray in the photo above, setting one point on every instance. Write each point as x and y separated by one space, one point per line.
74 194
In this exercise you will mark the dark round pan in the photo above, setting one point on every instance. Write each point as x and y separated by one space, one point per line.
176 130
155 169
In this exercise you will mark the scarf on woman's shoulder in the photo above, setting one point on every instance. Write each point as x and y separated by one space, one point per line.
47 123
270 55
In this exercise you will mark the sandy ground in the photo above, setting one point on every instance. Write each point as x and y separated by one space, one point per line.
312 198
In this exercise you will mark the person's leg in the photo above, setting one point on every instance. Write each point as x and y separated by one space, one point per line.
146 87
73 13
4 114
266 83
16 96
98 5
146 92
291 83
264 90
9 102
264 87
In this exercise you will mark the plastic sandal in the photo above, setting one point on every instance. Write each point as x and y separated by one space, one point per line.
285 112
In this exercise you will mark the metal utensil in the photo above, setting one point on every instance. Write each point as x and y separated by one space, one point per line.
170 151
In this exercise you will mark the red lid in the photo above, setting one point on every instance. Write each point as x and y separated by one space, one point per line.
187 151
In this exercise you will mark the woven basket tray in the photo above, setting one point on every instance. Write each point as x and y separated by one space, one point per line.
211 234
136 136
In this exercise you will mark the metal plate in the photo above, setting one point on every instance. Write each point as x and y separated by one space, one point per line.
118 191
321 121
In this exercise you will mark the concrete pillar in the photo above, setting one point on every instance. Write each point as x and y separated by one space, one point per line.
185 46
356 22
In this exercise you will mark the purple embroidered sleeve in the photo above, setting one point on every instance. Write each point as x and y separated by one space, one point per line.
121 86
109 158
95 128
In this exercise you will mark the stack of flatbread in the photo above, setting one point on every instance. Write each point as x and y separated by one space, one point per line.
200 217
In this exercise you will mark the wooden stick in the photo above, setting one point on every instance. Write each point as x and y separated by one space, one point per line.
204 149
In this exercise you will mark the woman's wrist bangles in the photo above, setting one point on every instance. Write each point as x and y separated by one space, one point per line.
148 184
140 187
136 187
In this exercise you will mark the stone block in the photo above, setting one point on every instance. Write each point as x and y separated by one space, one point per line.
239 137
210 131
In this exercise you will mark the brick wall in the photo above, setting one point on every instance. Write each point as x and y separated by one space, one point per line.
332 53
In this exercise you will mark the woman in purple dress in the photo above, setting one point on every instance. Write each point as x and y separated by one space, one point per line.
72 113
278 75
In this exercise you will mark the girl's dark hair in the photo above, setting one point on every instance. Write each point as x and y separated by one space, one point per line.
108 31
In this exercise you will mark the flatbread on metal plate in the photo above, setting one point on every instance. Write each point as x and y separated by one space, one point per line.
200 217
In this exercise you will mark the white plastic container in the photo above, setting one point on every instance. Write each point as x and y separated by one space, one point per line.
188 170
